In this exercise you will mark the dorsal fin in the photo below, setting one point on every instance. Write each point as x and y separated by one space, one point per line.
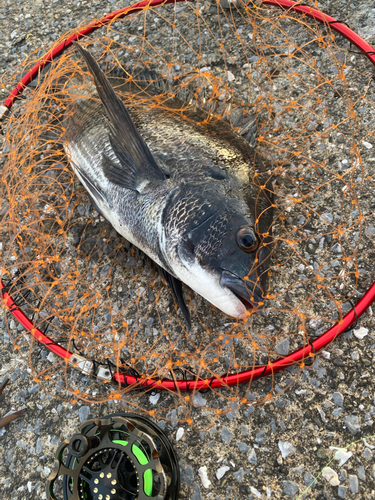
136 167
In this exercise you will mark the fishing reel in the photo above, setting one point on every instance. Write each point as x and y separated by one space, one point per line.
120 457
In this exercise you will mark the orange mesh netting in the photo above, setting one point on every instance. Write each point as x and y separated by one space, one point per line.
308 93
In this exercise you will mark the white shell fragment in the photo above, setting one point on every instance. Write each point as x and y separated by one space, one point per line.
255 492
361 332
179 433
368 445
342 454
331 476
202 473
231 76
155 398
286 448
367 144
326 354
51 358
221 471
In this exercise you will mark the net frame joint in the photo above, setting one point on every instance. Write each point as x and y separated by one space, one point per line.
103 373
82 364
4 112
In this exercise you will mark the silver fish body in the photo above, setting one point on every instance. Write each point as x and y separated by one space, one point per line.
179 191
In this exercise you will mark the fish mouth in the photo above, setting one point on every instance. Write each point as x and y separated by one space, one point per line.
243 290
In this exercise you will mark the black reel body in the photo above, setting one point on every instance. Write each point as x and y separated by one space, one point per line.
123 456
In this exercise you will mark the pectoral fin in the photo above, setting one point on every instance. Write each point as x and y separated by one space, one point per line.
136 167
97 196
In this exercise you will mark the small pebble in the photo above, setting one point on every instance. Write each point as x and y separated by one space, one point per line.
361 473
39 445
242 447
338 398
321 454
197 492
343 475
353 483
367 454
239 475
282 347
328 217
261 437
83 413
352 423
290 488
342 490
331 476
186 473
244 430
308 479
355 356
253 458
199 400
286 448
226 435
299 469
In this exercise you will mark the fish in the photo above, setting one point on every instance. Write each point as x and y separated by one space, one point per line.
178 190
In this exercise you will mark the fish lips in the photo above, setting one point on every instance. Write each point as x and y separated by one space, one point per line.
244 289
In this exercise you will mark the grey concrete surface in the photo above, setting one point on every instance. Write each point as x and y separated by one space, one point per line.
274 450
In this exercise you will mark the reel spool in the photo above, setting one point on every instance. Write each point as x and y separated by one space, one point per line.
121 457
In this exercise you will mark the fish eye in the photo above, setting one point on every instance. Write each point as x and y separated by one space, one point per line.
247 240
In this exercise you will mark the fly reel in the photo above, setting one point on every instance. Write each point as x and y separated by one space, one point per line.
120 457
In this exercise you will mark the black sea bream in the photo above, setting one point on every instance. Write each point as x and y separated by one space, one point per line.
179 191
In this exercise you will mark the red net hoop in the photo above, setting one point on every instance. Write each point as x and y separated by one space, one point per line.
273 109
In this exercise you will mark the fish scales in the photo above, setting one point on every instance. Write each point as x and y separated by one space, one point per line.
134 217
180 189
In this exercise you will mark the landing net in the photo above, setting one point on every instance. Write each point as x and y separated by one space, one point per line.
288 82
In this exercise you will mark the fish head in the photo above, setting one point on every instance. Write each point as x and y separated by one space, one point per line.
243 262
221 257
